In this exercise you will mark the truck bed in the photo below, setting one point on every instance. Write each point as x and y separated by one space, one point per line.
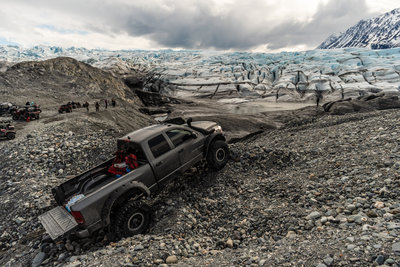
77 184
86 182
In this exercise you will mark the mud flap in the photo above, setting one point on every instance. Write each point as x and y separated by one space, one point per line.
58 222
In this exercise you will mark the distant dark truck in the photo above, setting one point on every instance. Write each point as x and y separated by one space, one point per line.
98 199
65 108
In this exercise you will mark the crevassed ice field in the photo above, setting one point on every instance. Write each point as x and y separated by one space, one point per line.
286 76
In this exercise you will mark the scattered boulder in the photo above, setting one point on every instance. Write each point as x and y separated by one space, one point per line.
171 260
362 104
39 258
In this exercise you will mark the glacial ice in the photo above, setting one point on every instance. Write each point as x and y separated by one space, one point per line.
289 76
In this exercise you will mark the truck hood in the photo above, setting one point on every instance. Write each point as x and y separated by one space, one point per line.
205 125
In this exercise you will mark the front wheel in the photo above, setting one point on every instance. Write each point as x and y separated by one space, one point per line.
218 154
10 136
133 218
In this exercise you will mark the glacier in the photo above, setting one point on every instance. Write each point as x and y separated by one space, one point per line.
286 76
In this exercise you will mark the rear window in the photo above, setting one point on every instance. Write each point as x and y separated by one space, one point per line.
131 148
159 145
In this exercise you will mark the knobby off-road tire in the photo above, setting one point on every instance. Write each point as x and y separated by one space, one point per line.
218 155
131 219
10 136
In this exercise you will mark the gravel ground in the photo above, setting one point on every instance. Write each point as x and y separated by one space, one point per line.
325 193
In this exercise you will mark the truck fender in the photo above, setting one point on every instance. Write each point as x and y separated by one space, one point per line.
122 194
211 138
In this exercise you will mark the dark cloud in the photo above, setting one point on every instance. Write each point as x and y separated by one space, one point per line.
195 24
334 17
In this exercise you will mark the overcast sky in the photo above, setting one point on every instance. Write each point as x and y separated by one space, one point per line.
250 25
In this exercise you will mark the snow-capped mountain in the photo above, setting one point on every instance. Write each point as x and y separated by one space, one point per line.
377 33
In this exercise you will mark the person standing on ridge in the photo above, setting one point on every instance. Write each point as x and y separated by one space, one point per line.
106 102
113 103
97 106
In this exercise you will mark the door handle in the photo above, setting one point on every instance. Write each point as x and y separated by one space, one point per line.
159 163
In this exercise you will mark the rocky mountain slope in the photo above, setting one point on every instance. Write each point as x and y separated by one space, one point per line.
62 78
323 193
57 81
307 188
377 33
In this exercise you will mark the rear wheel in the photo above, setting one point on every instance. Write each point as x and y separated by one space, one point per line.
10 136
131 219
218 154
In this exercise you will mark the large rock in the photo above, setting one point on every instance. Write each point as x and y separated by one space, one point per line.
39 258
171 260
362 104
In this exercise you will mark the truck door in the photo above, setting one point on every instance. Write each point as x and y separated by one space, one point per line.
188 147
166 161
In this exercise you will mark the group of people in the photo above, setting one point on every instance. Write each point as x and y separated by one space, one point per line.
97 104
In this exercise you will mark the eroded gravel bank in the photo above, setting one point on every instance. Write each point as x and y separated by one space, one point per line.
320 193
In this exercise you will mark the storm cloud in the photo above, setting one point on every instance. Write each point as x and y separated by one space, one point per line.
196 24
334 17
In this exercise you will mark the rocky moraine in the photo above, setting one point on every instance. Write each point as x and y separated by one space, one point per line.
324 193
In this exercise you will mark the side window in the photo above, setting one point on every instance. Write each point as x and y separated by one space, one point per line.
179 136
158 145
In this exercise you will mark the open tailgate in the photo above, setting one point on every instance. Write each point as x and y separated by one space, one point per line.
58 222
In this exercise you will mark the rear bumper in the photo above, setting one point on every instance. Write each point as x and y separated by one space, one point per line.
82 233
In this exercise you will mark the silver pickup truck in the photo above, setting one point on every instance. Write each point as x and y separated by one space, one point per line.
98 199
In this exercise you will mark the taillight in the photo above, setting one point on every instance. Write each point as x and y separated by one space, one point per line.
78 216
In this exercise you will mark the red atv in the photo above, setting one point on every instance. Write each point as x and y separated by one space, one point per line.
7 131
26 113
65 108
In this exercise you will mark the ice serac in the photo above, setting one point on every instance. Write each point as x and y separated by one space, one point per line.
381 32
287 76
297 76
